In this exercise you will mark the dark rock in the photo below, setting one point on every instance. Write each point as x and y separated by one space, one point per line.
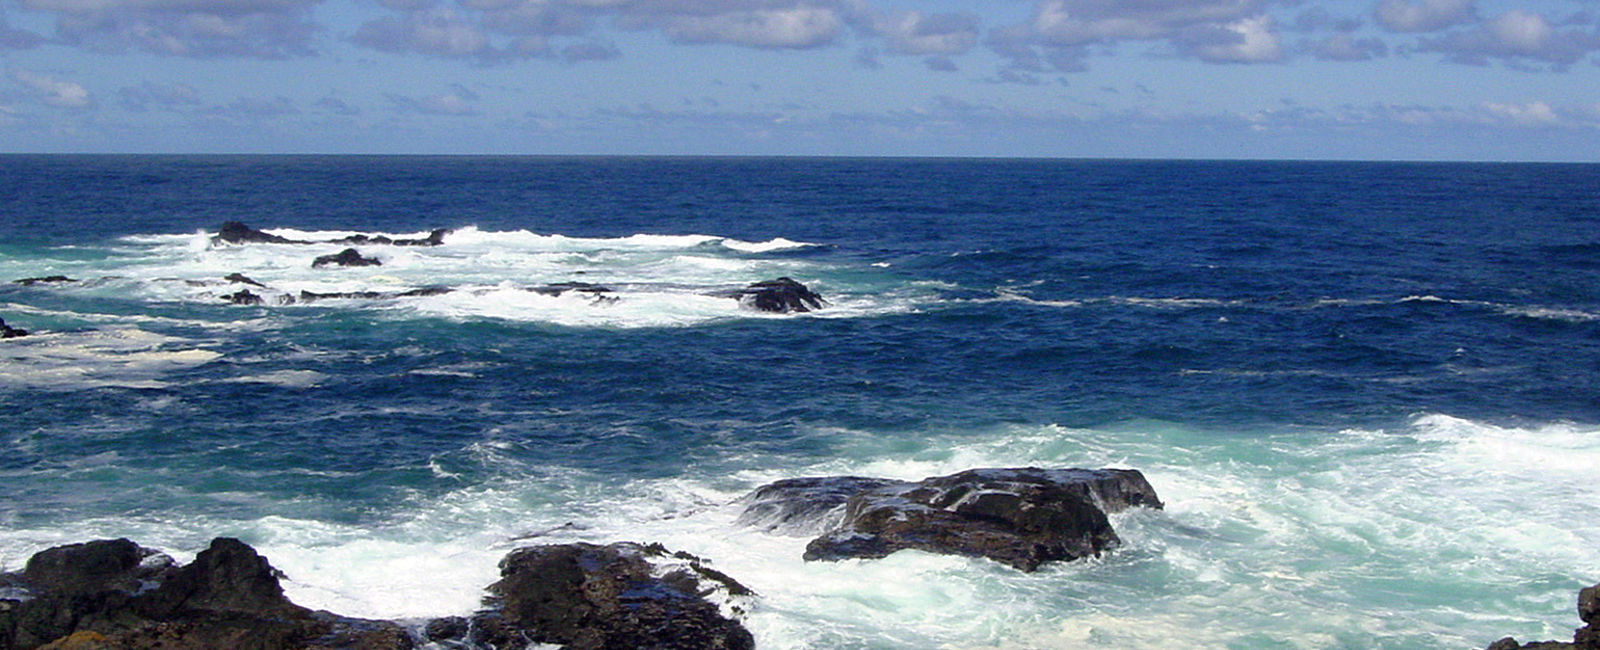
589 597
243 297
9 332
559 288
241 278
1584 638
434 238
1020 517
804 506
49 279
311 296
116 594
781 296
346 257
235 232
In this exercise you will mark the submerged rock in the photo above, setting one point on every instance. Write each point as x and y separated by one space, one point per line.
1584 638
589 597
434 238
49 279
1020 517
346 257
9 332
780 296
116 594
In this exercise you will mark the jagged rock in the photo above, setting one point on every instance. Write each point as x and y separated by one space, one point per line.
244 297
235 232
1020 517
116 594
49 279
9 332
241 278
1584 638
781 296
589 597
346 257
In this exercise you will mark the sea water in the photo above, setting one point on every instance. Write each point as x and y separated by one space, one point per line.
1369 393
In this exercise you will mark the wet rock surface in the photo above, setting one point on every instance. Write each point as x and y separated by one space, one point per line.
1022 517
117 594
780 296
346 257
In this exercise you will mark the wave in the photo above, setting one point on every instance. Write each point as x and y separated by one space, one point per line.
1377 537
640 280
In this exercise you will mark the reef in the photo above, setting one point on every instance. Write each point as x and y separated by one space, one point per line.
9 332
235 232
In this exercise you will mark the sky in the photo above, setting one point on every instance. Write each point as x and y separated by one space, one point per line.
1275 79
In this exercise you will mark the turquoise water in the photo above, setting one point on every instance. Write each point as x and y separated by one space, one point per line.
1366 392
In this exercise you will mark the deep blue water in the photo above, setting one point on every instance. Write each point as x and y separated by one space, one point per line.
1310 360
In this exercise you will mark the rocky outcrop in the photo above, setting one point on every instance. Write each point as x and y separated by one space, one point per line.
1020 517
780 296
590 597
346 257
9 332
234 232
1585 638
116 594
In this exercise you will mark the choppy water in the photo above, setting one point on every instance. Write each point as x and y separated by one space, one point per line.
1368 393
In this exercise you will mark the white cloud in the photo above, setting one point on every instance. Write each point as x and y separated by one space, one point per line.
790 28
190 28
52 91
1248 40
1528 114
1422 15
917 33
1515 37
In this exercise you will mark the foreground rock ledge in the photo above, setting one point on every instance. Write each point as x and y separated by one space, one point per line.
1023 517
117 595
1584 638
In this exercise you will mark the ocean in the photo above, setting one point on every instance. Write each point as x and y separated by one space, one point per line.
1369 393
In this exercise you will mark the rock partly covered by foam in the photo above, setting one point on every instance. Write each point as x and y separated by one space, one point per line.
9 332
1585 638
1020 517
48 279
780 296
117 594
589 597
346 257
235 232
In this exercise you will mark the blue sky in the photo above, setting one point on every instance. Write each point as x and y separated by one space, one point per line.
1322 79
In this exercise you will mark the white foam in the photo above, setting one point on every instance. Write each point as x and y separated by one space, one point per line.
119 356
